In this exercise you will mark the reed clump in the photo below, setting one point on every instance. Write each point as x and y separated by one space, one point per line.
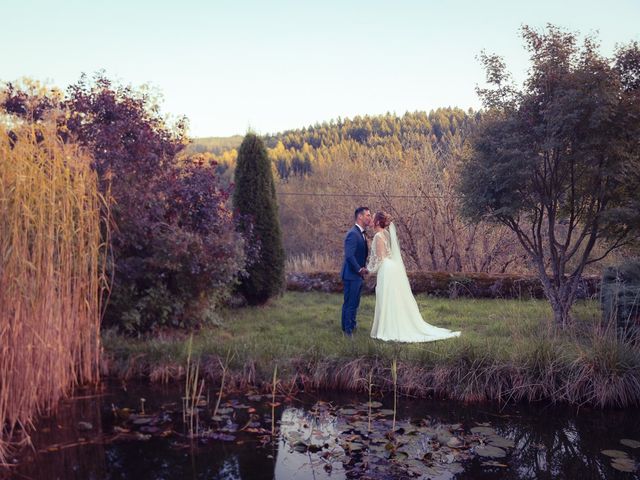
52 273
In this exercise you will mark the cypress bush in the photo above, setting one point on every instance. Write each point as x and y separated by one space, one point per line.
254 199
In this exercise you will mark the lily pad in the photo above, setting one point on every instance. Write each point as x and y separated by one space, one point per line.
624 465
354 447
142 421
615 453
149 429
348 411
483 431
501 442
490 451
494 463
385 411
225 411
455 442
420 468
300 447
630 443
85 426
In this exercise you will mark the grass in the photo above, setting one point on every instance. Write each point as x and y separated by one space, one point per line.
313 262
508 350
308 325
51 273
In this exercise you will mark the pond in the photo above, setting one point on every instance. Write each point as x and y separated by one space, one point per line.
140 431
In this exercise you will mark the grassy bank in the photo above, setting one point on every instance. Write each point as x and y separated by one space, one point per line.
508 351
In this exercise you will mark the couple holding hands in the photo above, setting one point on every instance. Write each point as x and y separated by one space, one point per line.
397 316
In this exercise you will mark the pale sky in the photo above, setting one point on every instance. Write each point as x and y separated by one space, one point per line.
276 65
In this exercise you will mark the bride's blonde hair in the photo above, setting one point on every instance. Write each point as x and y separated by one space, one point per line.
382 218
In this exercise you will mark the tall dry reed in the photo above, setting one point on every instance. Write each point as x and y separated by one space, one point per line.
52 273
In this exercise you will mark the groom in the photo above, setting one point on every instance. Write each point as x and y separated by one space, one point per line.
353 268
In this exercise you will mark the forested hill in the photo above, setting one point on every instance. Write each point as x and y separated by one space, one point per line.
387 137
437 125
215 145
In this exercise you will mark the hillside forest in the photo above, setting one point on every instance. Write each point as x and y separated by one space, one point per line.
406 165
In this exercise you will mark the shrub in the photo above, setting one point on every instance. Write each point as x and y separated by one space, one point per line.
254 198
176 251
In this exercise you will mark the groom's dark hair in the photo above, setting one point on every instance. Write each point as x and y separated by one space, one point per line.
359 210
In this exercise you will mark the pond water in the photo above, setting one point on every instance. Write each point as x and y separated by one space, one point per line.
136 431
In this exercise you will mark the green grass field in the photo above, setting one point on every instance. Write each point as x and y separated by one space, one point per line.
508 350
307 325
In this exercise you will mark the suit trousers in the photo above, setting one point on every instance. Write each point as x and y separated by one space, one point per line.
352 292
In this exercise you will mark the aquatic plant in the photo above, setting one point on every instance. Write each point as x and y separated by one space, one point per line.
194 385
52 272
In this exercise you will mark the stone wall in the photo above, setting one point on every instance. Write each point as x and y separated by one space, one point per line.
444 284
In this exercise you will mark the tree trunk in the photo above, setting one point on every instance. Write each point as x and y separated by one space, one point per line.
561 295
562 312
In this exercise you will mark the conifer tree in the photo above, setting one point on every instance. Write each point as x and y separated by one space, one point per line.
254 198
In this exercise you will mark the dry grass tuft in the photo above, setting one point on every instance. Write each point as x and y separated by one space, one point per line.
312 263
51 273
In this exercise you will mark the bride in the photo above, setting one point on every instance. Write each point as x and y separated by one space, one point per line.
397 316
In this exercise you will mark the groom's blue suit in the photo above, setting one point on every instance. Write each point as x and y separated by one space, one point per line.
355 257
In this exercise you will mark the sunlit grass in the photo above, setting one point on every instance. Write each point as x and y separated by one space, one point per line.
508 350
308 325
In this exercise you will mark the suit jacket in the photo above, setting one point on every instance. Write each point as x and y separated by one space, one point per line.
355 254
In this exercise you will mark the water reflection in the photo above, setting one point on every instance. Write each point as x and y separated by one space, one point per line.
323 440
309 446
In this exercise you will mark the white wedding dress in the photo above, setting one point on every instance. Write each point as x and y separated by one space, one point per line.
397 317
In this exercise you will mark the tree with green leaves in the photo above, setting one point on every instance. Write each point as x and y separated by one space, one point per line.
558 160
254 198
